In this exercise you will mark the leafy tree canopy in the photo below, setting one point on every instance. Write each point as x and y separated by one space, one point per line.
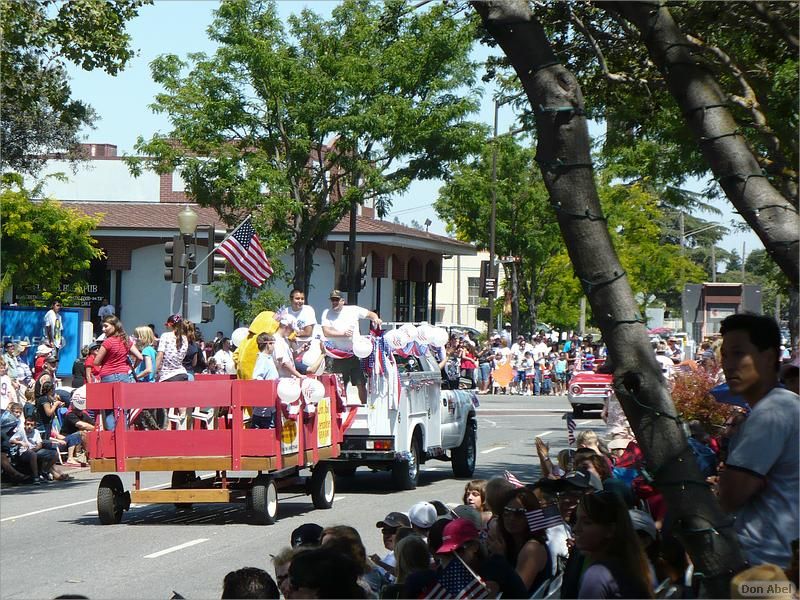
44 244
39 38
298 124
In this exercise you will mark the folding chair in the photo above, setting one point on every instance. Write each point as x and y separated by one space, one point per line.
554 590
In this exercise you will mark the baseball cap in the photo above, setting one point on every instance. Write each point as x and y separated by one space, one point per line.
308 534
335 294
470 513
422 515
172 319
457 533
78 399
507 325
394 519
643 522
51 360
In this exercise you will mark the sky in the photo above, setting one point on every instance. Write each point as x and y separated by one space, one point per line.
179 27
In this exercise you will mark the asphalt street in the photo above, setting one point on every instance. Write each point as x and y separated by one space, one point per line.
53 543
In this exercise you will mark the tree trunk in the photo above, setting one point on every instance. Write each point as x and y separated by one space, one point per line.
772 217
563 154
303 263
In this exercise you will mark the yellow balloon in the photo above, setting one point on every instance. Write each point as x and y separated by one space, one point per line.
246 354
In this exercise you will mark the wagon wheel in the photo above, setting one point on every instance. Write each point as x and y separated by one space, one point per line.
264 498
110 500
323 486
182 479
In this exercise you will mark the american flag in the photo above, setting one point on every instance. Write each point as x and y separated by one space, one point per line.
570 428
457 581
543 518
243 250
512 479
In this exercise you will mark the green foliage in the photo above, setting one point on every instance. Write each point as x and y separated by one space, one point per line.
245 301
525 225
761 269
39 37
44 244
298 124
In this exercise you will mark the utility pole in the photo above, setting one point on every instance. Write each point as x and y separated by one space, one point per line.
743 243
713 263
683 233
582 323
492 218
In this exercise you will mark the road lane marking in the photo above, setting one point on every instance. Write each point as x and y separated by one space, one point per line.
585 422
176 548
544 433
44 510
495 449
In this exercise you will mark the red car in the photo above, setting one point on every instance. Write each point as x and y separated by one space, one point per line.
588 390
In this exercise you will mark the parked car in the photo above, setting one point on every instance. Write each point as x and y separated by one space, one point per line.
589 390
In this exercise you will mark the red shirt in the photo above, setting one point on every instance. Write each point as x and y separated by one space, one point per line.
116 359
38 366
95 369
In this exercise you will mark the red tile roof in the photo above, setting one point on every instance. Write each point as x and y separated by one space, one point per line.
369 225
161 215
142 215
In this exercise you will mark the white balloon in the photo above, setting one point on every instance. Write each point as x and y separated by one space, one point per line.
440 336
313 390
239 335
288 390
425 334
362 346
410 331
394 339
313 353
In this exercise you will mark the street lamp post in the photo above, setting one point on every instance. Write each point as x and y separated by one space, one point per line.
492 218
187 223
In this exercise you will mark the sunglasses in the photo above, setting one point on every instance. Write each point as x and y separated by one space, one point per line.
389 530
514 511
335 299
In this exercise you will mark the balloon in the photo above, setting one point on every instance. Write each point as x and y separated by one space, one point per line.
239 335
313 390
425 333
362 346
288 390
410 331
440 336
313 353
395 339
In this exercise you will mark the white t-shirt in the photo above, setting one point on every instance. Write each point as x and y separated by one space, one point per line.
304 317
344 320
540 350
225 362
7 392
283 356
53 320
666 365
172 361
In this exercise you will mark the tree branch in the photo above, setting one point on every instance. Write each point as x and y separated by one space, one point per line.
775 22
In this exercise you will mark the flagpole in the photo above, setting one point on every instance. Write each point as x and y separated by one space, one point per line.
214 249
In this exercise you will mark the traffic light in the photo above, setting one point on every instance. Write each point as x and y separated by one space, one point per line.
173 260
363 272
217 265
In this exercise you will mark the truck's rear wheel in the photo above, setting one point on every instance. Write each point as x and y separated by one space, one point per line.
465 454
405 473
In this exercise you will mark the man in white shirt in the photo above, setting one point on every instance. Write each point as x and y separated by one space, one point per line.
674 350
304 314
664 361
53 327
339 323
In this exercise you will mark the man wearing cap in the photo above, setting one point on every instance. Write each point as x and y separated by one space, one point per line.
339 323
24 375
461 540
308 535
422 517
389 526
77 420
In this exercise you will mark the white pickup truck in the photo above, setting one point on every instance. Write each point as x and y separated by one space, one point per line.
408 419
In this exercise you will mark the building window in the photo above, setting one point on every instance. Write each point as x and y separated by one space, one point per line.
473 290
402 300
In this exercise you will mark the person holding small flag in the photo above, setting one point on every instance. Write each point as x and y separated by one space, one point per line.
523 524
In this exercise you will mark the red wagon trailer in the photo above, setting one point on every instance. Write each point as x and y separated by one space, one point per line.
277 455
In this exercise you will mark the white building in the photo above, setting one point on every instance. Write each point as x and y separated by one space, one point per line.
140 214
